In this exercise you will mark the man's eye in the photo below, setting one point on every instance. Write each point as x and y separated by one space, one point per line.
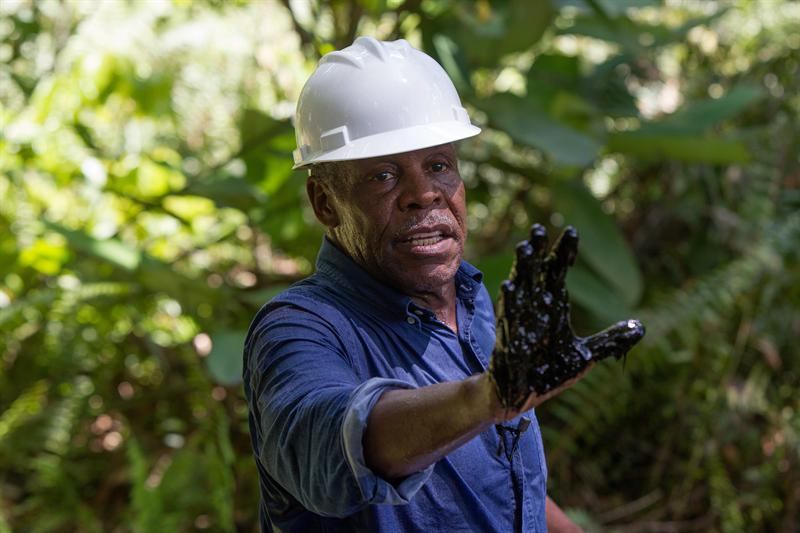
383 176
439 167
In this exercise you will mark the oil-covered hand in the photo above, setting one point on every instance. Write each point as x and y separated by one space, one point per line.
536 349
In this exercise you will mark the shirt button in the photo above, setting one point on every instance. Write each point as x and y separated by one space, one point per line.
410 320
418 312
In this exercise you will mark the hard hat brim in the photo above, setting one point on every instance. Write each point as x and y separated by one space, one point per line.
395 142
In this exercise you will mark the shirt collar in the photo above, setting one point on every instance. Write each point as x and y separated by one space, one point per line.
346 275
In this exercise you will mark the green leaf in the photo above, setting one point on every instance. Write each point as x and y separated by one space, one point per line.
375 7
558 70
225 360
112 250
266 149
455 64
256 128
658 147
227 192
188 207
613 27
527 123
612 8
25 407
620 7
35 298
45 256
602 245
486 31
595 295
607 89
495 270
697 117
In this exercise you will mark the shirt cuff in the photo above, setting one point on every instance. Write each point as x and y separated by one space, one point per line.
375 489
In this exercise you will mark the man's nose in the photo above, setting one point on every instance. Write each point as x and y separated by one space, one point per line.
420 191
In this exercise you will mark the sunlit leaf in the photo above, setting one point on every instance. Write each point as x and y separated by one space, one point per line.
187 207
154 180
44 255
696 117
227 192
112 250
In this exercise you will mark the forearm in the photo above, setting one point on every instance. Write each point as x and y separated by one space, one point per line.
557 520
408 430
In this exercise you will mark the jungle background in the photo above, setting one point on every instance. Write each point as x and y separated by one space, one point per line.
148 209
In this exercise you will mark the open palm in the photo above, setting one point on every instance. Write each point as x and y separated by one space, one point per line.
536 349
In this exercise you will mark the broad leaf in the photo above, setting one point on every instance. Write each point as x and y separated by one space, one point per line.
487 31
529 124
602 245
112 250
664 147
227 192
697 117
594 294
256 128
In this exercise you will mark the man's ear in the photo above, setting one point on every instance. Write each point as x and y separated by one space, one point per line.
322 202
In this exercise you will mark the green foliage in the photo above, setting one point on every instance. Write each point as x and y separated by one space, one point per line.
149 209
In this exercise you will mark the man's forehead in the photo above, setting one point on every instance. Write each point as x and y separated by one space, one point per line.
447 149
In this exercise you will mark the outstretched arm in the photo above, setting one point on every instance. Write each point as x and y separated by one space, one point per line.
410 429
536 357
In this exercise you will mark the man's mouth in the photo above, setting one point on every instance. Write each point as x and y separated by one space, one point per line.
425 239
431 240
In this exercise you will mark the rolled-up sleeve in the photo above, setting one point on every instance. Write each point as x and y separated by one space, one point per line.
311 411
374 488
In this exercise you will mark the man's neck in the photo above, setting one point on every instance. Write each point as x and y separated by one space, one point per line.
441 302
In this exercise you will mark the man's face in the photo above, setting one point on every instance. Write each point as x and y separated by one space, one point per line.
403 217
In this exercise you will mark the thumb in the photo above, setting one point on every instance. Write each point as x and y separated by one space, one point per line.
616 340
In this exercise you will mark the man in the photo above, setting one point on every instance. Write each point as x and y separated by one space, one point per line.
373 406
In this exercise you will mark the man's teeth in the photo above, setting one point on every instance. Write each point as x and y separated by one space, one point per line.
426 239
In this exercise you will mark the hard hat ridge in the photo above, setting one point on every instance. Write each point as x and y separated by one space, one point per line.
363 47
376 98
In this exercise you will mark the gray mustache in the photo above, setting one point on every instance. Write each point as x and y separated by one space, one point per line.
429 219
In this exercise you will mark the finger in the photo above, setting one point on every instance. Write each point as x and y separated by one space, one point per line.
529 256
615 341
523 264
538 239
508 299
563 256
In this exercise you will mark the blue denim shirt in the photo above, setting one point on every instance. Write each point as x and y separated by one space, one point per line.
317 359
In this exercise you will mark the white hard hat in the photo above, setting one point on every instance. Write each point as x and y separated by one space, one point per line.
376 98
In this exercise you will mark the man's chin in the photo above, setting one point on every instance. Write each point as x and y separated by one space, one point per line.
427 277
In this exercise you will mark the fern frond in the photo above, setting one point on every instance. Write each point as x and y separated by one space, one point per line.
720 289
27 405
